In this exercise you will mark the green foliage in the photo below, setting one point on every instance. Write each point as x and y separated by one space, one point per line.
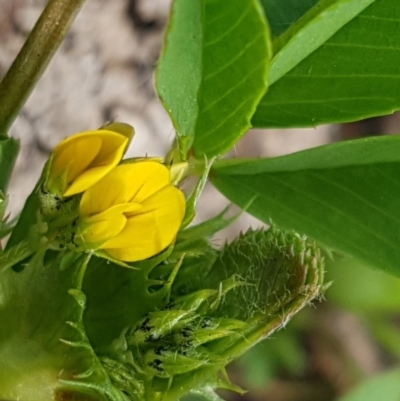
6 225
182 330
8 153
375 298
377 295
343 195
79 326
113 290
213 71
282 16
27 220
177 83
353 75
43 335
302 27
385 387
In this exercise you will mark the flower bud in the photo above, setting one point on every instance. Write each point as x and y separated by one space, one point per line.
82 159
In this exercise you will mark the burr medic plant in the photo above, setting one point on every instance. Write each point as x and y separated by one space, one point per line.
107 290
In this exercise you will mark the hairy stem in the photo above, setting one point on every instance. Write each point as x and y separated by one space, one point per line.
34 57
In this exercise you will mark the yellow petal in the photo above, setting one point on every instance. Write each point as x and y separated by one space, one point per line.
149 178
112 212
108 192
113 146
110 154
100 227
151 231
85 158
73 157
124 184
95 233
120 128
143 241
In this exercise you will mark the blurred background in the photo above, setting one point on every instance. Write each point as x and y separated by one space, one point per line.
104 71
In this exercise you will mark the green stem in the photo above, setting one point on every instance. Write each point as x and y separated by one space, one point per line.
34 57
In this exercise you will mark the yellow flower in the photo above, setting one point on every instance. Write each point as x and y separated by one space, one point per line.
84 158
133 213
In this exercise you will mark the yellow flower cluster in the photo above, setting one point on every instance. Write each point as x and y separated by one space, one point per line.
131 211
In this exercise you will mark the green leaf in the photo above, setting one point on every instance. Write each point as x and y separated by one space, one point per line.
6 226
178 74
354 75
213 71
27 219
303 27
282 15
45 351
384 387
206 228
113 290
8 154
377 293
345 195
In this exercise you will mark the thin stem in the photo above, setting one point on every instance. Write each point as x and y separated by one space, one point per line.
34 57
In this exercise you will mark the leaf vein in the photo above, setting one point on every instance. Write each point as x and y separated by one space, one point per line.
231 28
318 226
324 101
226 93
346 76
355 194
361 46
232 88
388 177
335 210
372 17
237 56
